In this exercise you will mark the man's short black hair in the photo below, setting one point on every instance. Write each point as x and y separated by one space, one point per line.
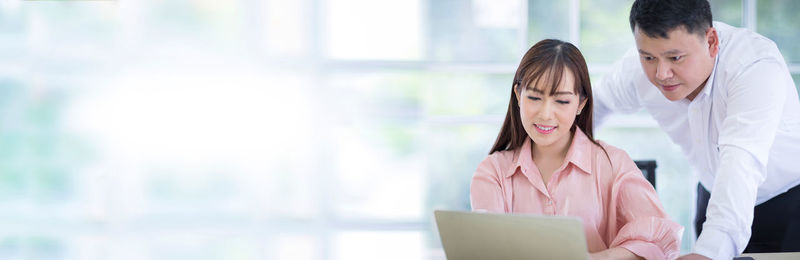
658 17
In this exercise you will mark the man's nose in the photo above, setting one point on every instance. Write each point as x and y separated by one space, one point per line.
663 71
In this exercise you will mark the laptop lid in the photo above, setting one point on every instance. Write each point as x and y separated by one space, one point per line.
471 235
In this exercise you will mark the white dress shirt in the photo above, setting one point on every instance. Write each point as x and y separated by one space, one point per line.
741 133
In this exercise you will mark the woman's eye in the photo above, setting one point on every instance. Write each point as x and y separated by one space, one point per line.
564 102
534 98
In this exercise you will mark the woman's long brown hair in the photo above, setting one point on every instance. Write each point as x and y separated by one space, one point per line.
546 61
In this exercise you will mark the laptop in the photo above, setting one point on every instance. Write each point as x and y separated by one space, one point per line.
472 235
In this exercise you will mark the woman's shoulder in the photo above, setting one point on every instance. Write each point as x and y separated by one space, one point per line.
498 162
501 158
618 158
599 148
610 149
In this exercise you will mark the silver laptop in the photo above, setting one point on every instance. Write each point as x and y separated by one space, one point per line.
470 235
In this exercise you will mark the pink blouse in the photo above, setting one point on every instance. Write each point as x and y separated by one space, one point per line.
619 208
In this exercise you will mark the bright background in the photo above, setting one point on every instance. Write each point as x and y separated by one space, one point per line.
297 129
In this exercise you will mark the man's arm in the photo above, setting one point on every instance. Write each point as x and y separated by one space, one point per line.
617 89
754 103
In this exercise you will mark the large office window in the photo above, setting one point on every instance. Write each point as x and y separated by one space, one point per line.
310 129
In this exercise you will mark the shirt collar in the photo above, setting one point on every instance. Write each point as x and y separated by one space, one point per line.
579 154
710 82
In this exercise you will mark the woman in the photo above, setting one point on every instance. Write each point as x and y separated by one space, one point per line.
545 161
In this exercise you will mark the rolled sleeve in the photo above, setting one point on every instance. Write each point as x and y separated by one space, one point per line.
651 238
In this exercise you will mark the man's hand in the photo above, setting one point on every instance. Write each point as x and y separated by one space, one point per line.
693 257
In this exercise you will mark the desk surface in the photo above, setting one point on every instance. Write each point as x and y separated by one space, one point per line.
774 256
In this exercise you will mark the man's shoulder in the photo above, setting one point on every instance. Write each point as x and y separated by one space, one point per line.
741 47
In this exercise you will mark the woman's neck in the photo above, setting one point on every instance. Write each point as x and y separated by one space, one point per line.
549 158
556 151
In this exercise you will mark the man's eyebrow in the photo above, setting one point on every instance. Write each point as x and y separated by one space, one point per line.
669 52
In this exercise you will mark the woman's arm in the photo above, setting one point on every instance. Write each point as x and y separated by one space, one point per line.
485 192
637 221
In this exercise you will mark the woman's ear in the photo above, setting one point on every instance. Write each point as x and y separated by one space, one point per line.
583 104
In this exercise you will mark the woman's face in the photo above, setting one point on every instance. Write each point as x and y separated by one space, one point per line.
547 119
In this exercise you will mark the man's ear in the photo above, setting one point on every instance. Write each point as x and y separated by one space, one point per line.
713 41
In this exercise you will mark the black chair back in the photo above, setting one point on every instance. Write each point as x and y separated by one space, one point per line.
648 168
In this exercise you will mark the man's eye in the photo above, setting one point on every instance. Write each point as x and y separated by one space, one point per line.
648 58
677 58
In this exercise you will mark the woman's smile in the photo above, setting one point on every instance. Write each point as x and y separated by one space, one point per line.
545 129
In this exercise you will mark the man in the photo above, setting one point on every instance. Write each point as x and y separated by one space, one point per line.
726 97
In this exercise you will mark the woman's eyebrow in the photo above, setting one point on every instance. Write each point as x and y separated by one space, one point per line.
555 94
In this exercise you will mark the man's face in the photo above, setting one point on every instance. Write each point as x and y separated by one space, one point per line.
680 64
